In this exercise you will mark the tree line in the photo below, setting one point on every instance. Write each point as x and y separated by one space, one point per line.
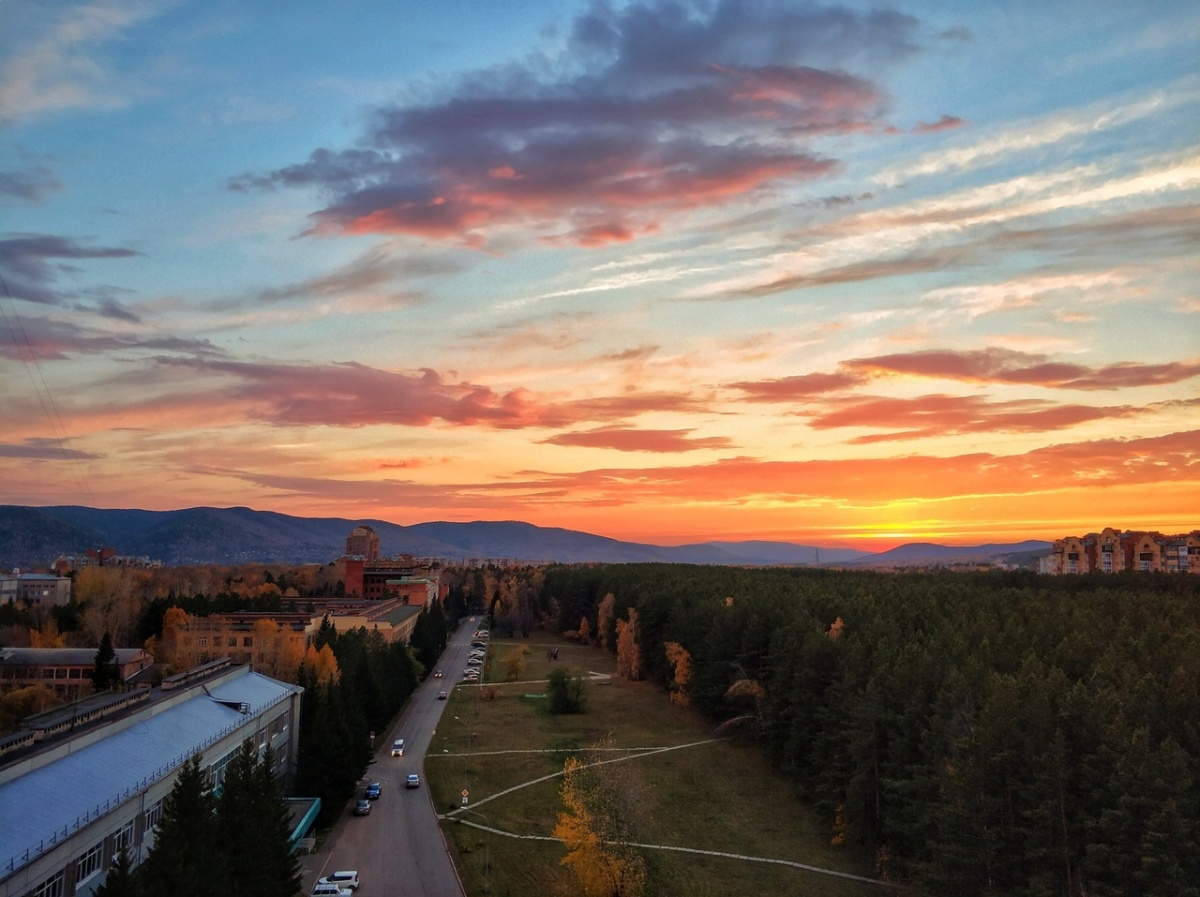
978 733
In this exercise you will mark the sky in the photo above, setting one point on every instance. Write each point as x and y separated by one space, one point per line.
847 274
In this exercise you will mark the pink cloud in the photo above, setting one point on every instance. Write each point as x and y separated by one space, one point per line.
940 415
945 123
1006 366
638 131
798 388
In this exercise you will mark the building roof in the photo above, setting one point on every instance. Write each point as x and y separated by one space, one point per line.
397 614
92 780
64 656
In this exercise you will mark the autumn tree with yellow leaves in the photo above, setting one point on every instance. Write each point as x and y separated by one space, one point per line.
595 832
604 619
629 654
681 662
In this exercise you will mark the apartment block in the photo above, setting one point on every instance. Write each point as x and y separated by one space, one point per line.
1114 551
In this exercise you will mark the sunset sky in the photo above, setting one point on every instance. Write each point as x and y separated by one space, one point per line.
850 275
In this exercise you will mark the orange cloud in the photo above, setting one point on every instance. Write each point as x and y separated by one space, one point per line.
629 440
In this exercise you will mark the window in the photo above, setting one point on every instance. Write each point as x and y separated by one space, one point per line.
247 641
89 863
153 815
202 642
51 887
231 642
123 839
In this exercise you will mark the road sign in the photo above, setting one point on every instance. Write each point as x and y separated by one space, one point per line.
465 792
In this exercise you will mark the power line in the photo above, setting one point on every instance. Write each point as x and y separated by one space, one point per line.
28 356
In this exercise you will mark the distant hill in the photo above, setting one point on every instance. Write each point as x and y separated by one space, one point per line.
33 537
929 554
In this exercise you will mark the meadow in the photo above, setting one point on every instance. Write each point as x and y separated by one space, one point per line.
708 794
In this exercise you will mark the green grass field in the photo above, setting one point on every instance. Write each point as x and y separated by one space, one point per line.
716 795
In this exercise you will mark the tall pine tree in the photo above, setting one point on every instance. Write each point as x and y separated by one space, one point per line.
187 860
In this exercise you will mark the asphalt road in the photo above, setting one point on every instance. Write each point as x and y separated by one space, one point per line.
398 848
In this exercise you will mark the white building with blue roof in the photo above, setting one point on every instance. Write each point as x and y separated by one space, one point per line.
69 806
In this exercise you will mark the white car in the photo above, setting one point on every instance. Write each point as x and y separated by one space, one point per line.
413 781
331 891
346 878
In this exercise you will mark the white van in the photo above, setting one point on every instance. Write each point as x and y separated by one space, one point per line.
398 747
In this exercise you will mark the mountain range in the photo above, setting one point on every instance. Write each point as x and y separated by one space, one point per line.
32 537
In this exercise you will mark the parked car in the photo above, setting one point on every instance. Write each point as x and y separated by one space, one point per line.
331 891
413 781
372 792
346 878
398 747
362 808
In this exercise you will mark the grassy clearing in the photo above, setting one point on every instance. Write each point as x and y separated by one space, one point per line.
720 795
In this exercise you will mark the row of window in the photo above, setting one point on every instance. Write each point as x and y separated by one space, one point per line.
230 641
11 671
92 859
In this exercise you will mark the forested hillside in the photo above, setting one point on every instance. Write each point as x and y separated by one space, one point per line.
980 733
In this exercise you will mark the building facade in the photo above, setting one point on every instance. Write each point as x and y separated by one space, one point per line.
35 589
68 671
1114 551
73 804
272 643
363 542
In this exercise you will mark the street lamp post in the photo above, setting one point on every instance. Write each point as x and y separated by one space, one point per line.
487 846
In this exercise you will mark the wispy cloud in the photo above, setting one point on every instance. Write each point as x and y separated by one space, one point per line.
1024 137
64 67
32 184
625 439
25 264
44 449
929 416
46 339
996 365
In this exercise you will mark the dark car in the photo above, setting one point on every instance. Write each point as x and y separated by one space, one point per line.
362 808
372 792
441 696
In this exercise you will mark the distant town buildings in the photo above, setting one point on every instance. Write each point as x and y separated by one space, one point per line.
1114 551
405 578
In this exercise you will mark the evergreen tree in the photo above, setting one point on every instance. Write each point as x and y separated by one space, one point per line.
187 860
255 830
120 880
106 674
